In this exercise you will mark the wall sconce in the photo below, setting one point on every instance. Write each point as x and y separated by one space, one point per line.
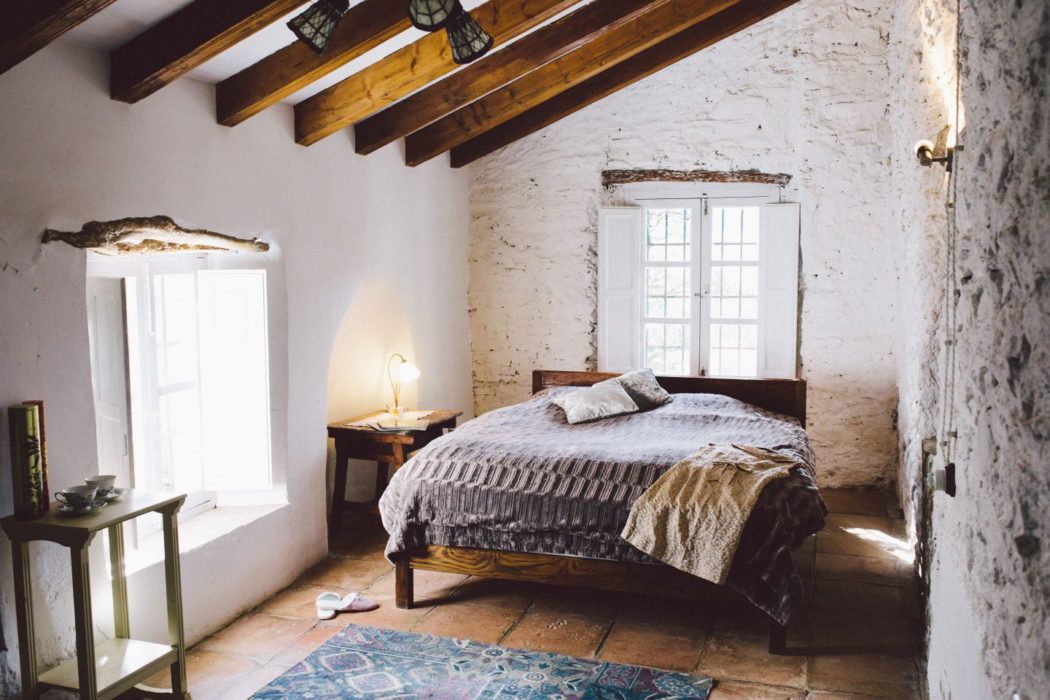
399 371
929 152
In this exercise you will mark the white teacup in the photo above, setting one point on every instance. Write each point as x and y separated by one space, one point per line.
77 497
103 482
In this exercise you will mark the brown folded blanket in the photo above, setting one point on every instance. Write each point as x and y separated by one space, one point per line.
692 517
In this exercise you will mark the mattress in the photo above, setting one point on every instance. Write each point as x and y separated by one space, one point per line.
522 479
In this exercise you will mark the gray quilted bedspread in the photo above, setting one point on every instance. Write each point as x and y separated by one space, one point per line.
522 479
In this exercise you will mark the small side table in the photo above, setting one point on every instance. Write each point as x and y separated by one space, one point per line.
383 447
113 666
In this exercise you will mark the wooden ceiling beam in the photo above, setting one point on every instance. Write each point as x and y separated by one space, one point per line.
285 72
666 18
410 68
644 64
182 41
495 70
26 26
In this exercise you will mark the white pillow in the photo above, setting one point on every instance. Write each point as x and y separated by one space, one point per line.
642 387
595 402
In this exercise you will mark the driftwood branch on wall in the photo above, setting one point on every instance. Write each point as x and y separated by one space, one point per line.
611 178
150 234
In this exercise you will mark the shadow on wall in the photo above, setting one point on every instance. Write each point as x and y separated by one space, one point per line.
374 327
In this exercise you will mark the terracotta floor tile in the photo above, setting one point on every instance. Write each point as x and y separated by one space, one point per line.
482 623
258 636
304 644
747 658
253 682
295 601
513 595
866 674
855 501
387 615
430 587
574 635
359 539
847 632
659 646
843 567
735 690
821 695
208 673
342 574
577 601
866 598
664 610
835 541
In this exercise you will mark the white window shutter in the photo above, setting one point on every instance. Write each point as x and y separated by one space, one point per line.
779 255
619 288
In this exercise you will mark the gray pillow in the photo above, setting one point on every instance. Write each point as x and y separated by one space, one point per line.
602 400
642 387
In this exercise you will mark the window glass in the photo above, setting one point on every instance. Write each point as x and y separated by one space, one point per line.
668 289
734 291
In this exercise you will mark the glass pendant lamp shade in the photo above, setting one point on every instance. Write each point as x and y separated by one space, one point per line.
431 15
315 26
467 39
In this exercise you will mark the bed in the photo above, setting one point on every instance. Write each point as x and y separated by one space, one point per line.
520 494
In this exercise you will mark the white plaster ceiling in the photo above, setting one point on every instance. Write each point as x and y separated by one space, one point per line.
125 19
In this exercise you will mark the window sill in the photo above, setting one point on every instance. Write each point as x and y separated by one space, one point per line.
196 533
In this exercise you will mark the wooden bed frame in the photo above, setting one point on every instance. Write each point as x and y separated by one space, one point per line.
787 396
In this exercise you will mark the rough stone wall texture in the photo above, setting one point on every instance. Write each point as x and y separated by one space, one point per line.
992 552
923 101
804 93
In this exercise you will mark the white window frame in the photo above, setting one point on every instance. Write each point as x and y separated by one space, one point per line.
138 271
700 198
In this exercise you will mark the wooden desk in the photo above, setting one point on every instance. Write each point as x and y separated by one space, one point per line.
385 448
113 666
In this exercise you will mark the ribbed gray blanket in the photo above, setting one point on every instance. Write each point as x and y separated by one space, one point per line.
522 479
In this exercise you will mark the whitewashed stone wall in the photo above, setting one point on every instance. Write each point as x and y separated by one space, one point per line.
990 598
804 92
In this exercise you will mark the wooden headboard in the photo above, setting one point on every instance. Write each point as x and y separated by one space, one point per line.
787 396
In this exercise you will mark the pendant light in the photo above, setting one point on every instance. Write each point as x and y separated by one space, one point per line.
315 26
467 39
431 15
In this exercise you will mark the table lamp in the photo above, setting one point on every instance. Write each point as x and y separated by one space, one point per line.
399 371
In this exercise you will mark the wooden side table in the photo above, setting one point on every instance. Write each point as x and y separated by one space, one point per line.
383 447
113 666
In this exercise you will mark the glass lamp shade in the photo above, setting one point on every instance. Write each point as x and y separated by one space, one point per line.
431 15
315 26
406 372
467 39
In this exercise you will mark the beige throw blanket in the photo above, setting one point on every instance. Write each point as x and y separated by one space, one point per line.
692 516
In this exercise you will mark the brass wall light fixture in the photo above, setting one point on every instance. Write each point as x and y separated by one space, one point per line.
930 152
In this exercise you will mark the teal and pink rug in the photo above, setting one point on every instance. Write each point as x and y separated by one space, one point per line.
365 662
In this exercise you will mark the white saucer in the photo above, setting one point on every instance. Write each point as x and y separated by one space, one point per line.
96 505
113 495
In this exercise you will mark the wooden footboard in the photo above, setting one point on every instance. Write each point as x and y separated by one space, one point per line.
644 579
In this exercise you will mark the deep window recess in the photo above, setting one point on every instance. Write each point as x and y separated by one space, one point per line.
180 355
699 284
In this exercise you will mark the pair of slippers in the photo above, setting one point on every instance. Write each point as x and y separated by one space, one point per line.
329 604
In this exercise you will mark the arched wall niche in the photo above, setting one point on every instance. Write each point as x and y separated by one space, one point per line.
374 327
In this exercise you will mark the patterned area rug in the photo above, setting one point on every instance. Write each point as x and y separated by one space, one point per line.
364 662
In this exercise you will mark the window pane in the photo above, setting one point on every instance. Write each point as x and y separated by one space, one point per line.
175 322
748 281
667 291
733 350
667 347
667 233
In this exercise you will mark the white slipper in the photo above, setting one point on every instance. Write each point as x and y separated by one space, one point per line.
328 604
